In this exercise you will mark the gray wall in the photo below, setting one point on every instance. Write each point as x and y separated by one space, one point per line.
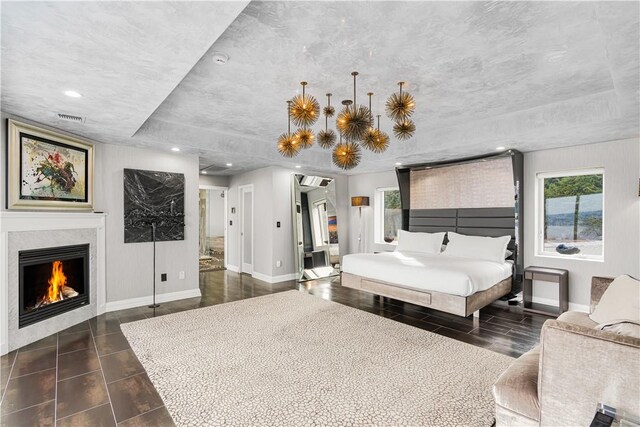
272 200
365 185
215 213
214 180
621 161
261 180
129 267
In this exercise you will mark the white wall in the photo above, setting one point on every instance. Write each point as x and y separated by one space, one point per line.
621 161
129 266
366 185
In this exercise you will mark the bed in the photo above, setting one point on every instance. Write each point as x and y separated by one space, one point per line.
456 285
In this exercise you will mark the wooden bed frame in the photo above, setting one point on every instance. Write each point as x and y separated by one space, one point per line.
454 304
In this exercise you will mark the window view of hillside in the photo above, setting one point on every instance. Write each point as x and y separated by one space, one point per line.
392 214
573 207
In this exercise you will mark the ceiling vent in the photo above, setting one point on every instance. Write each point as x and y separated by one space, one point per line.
70 118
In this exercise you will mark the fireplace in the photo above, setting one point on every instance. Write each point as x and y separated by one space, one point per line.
52 281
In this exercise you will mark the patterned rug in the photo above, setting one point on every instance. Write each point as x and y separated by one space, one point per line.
292 359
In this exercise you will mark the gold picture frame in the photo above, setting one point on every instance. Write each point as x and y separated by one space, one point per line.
47 170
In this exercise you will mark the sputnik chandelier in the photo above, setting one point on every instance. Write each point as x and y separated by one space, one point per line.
354 124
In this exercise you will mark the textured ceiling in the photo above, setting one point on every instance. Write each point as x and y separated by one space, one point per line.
525 75
123 57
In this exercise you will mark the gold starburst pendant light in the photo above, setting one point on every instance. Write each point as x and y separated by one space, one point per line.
288 145
327 137
353 121
329 111
346 155
305 137
304 109
404 129
400 105
374 140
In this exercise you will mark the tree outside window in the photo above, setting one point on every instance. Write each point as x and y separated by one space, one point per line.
572 217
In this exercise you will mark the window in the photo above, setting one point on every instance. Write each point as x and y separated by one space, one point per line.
387 215
570 210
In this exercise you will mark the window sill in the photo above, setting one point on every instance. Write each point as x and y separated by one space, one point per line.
569 257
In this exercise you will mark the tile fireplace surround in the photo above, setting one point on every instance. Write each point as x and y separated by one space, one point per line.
32 230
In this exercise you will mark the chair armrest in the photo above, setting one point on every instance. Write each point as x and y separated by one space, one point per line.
580 367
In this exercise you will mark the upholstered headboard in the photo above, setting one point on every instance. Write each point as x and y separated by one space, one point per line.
492 222
479 196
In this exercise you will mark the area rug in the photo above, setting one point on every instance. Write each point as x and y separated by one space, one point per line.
292 359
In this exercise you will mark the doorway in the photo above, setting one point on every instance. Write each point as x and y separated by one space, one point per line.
246 229
213 228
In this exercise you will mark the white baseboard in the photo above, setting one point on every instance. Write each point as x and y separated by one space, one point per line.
137 302
233 268
274 279
572 306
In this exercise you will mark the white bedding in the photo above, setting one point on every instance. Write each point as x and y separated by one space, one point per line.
428 272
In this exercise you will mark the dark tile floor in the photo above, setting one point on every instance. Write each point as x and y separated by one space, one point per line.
87 375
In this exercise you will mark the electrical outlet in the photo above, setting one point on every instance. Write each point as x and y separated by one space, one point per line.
278 263
163 277
181 275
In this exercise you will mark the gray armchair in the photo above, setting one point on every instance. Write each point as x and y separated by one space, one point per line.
575 367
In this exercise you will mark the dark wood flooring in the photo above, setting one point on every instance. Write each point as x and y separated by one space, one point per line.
87 375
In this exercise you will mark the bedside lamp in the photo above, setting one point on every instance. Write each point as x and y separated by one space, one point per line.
359 202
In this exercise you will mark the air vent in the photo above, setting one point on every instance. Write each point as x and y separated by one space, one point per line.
70 118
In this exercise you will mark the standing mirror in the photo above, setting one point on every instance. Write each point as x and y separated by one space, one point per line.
315 228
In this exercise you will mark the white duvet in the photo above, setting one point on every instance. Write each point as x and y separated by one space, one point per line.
428 272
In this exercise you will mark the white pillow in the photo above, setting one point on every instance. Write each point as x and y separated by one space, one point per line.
477 247
507 253
428 243
621 301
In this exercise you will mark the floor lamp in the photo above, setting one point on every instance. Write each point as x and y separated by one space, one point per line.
359 202
153 237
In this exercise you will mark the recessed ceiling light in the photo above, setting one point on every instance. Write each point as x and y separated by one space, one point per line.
72 94
398 164
499 148
204 172
298 166
229 164
175 149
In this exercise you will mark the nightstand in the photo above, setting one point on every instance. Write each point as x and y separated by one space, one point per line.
554 275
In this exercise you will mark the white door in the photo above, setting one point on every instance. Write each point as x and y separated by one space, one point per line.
246 229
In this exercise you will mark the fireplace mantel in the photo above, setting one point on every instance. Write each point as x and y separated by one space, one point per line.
19 221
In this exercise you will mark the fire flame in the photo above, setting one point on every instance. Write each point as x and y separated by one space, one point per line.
57 283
